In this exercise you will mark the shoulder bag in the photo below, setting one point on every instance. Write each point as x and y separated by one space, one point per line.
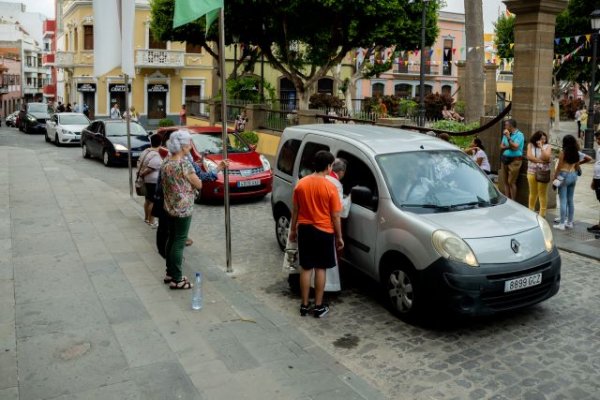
140 185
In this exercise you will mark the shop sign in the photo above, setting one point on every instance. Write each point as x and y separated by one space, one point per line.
86 87
119 87
158 88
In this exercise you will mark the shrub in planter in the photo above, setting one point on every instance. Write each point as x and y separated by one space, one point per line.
166 122
250 137
325 101
407 108
435 102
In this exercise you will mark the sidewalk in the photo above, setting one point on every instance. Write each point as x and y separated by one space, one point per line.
84 313
587 208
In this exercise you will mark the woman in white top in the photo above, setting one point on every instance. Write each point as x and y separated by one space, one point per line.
539 153
477 153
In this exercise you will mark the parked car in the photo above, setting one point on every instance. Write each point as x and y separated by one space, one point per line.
250 173
63 128
107 140
11 119
33 118
425 221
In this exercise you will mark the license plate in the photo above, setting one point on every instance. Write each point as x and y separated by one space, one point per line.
135 154
253 182
522 282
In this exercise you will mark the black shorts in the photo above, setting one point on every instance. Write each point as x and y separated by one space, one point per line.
316 249
597 183
150 189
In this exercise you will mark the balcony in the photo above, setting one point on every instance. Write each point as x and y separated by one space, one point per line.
416 69
32 89
49 90
4 89
159 59
48 60
69 59
49 28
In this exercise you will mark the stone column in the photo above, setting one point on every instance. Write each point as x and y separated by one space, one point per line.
257 115
490 89
460 76
532 75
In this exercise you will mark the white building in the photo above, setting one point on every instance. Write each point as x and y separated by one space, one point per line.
33 75
30 21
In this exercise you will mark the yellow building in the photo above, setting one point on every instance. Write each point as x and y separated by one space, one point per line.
168 74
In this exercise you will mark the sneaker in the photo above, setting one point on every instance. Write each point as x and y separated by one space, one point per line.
595 228
569 225
560 227
154 225
320 311
304 310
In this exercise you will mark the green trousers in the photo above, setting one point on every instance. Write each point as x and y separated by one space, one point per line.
178 233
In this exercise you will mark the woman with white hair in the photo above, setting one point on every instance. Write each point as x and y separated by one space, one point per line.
179 183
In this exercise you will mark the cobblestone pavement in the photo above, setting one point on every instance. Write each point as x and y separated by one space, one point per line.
550 351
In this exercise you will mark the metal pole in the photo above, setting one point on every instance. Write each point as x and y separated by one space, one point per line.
422 68
224 131
234 60
589 131
262 77
126 77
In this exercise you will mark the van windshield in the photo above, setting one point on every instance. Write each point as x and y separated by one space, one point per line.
434 181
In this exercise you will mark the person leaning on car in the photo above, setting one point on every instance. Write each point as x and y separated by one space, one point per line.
316 227
513 142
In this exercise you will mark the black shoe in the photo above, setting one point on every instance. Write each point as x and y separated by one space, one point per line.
304 310
595 229
320 311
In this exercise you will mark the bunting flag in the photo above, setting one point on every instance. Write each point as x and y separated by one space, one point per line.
430 52
446 52
568 40
512 45
577 38
557 41
588 37
454 50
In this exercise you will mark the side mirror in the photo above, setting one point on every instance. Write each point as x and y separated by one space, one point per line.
362 196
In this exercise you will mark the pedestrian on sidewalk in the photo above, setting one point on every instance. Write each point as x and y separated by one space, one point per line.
179 182
148 166
316 227
584 120
539 153
183 116
513 143
578 120
596 181
115 113
565 176
552 113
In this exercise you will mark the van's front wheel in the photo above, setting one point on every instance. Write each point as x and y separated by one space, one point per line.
403 291
282 228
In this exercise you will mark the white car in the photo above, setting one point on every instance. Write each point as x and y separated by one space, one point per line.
65 128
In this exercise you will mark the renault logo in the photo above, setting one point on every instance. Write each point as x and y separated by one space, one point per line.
514 245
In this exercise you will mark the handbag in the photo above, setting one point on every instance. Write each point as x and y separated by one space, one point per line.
542 176
140 185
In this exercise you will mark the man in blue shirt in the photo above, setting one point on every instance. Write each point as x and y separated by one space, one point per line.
512 145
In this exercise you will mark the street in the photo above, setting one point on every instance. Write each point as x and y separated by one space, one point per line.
550 351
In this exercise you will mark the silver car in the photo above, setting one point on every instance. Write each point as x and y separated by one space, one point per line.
425 221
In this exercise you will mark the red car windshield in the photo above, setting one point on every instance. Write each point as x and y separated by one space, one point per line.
213 143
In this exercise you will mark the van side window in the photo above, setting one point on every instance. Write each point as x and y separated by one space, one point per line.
287 156
358 174
306 162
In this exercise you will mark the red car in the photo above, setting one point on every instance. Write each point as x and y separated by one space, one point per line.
250 173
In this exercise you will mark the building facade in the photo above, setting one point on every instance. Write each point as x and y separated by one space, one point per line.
440 64
49 52
168 74
10 81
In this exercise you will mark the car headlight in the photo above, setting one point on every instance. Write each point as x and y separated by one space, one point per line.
65 132
209 165
120 147
265 163
547 233
452 247
31 118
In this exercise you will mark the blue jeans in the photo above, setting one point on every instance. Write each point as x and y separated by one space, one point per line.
566 191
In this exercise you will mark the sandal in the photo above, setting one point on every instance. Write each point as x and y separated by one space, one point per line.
181 285
189 242
167 279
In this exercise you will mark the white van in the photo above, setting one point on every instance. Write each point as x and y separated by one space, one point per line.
425 221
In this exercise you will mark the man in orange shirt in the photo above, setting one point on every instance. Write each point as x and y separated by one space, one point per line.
316 226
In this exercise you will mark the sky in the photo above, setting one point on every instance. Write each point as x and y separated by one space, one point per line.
490 9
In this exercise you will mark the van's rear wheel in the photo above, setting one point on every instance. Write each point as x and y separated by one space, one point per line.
403 291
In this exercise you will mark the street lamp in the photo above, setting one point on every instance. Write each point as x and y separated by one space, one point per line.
422 68
589 131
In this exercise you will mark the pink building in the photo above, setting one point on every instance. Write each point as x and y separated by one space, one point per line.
10 80
440 64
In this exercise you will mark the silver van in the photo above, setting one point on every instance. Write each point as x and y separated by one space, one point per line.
425 221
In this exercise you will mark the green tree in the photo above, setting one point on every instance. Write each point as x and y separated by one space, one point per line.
304 39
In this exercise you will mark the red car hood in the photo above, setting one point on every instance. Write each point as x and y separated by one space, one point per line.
239 160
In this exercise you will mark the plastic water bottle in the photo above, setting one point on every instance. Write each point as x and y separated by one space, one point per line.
197 293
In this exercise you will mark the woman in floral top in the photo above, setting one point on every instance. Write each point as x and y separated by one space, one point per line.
179 183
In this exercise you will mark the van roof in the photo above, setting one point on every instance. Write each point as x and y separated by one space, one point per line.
379 139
